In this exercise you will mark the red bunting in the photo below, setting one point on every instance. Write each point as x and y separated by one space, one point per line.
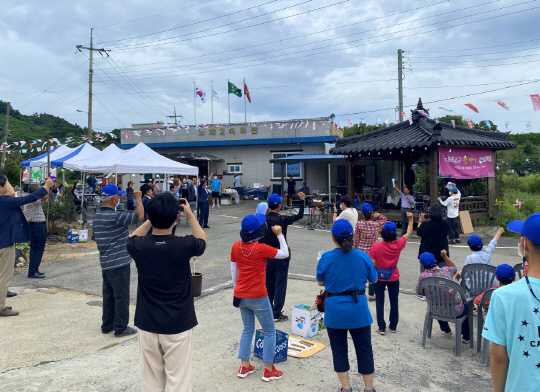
469 123
536 101
472 107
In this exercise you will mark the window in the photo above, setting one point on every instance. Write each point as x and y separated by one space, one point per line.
291 168
234 168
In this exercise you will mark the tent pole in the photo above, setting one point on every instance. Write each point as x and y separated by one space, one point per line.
20 181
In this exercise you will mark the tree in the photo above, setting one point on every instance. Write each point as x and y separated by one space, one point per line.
359 129
460 122
484 126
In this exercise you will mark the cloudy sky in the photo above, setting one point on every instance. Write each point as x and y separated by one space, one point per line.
300 58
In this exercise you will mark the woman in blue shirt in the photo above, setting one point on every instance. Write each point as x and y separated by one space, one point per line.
344 272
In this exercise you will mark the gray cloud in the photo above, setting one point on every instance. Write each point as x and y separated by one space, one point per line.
360 46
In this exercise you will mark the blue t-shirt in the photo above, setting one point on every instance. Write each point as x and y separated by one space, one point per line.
345 272
215 184
513 321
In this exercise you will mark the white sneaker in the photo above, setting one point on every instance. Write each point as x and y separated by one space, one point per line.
213 206
420 297
218 206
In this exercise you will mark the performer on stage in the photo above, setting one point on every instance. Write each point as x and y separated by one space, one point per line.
407 204
452 213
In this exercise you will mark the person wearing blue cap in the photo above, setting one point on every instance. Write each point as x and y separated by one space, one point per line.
344 273
481 255
248 265
111 234
277 271
513 320
385 256
452 213
366 234
505 275
449 271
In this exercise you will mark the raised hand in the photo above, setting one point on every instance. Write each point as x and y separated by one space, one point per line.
277 230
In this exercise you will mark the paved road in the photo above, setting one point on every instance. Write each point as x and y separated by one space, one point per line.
84 275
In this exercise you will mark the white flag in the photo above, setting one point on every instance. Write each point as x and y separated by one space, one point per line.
201 94
214 94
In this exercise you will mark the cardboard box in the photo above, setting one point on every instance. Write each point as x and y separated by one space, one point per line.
83 235
305 323
73 236
225 201
282 345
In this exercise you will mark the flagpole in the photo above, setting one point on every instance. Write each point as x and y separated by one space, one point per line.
229 100
212 98
194 107
245 106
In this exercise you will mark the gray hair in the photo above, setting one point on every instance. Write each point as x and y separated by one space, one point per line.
107 199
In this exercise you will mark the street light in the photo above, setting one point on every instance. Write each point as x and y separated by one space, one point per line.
89 130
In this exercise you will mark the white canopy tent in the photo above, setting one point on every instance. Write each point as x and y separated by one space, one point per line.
83 152
41 160
139 159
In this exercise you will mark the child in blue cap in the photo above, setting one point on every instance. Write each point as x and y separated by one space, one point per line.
505 275
479 254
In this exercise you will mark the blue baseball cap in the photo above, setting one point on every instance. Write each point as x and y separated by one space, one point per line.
274 199
366 207
427 259
111 190
530 228
342 228
475 240
390 227
453 189
261 208
505 272
251 223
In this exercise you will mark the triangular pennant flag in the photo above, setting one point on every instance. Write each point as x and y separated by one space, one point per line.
307 123
453 123
536 101
502 104
469 123
472 107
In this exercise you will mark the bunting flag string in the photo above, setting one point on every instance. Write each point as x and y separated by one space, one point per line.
448 110
470 124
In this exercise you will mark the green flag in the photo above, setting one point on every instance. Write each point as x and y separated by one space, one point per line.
234 90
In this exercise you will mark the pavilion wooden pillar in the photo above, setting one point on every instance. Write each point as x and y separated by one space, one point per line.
434 175
350 177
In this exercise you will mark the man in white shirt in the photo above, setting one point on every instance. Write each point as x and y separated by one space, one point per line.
348 212
238 187
452 213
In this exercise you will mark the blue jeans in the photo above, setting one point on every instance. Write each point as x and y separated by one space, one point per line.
393 293
260 307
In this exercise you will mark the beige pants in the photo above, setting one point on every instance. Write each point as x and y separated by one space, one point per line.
165 361
7 259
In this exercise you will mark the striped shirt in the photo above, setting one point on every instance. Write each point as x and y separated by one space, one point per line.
33 212
111 235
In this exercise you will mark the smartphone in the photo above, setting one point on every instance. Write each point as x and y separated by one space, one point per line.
181 204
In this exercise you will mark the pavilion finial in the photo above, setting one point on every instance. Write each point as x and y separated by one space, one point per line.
420 106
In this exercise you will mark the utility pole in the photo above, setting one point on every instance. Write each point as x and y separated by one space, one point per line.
4 141
90 77
400 83
175 117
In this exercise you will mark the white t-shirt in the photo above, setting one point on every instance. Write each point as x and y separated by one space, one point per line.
452 205
351 215
237 182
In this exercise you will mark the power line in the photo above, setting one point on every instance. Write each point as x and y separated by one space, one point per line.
107 109
153 16
66 93
479 54
202 21
466 61
291 38
365 44
144 45
482 47
51 86
444 99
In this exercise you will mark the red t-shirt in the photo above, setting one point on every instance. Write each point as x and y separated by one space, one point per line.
251 262
385 255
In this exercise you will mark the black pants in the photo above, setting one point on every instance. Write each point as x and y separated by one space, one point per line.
277 274
239 191
38 237
465 333
130 205
453 234
204 212
393 293
362 345
116 299
185 193
404 219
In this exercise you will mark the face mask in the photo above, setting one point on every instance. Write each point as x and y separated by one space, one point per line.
519 251
450 193
215 178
